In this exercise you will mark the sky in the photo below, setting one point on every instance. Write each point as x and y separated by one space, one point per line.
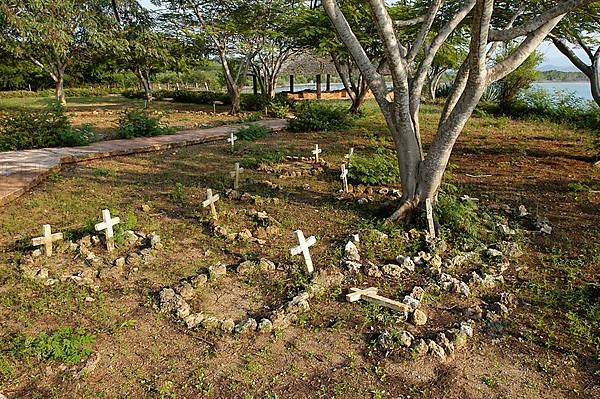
553 59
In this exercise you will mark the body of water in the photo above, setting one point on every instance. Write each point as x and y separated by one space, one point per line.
581 89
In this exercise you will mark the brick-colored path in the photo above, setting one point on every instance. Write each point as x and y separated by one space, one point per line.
21 170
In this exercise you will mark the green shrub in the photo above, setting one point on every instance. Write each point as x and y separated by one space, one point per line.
69 92
252 132
141 123
378 168
316 116
251 102
49 127
63 344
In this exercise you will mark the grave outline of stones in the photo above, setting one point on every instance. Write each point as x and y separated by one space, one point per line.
47 239
344 177
235 174
232 138
210 201
107 225
316 152
304 248
370 295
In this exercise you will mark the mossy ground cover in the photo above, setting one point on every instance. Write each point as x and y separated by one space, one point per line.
548 349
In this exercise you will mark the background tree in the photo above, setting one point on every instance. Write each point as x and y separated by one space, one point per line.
47 33
231 28
581 29
518 80
132 37
277 41
421 175
314 31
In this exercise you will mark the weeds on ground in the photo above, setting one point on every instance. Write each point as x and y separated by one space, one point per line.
64 344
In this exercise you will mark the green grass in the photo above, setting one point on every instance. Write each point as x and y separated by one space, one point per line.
64 344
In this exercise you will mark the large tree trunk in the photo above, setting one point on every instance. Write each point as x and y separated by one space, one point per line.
144 79
59 85
595 77
235 102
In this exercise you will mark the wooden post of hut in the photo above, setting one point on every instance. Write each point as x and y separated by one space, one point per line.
291 83
328 86
254 85
319 86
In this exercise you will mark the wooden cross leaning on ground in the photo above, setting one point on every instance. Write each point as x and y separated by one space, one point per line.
303 248
47 239
107 225
344 177
370 295
235 174
316 153
210 201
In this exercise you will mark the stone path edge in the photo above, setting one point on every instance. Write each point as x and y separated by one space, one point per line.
22 170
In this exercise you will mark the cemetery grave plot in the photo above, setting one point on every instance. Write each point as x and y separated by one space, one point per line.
333 341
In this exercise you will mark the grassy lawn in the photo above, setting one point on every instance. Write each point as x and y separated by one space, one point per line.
102 113
547 347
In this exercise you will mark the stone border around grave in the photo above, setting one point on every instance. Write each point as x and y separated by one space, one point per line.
173 301
140 249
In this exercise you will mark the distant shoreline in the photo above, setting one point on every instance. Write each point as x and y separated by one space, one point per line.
561 81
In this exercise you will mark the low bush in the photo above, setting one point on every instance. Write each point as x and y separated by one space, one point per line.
49 127
378 168
69 92
252 132
64 344
317 116
141 123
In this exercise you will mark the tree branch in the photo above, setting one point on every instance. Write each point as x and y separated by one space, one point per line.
424 31
524 50
377 83
570 54
533 25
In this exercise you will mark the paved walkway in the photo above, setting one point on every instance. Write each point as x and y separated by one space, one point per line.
21 170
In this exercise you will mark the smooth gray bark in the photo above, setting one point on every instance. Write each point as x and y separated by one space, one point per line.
421 176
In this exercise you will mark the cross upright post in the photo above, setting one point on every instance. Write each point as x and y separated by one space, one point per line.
235 174
232 138
316 153
107 226
47 239
303 248
210 201
344 177
348 156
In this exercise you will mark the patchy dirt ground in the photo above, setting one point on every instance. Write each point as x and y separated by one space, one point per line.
545 349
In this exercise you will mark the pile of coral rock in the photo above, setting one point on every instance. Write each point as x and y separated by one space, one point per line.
87 262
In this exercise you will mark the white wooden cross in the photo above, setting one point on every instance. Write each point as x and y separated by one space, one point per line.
47 239
316 152
107 225
232 138
344 177
430 223
210 201
348 156
235 174
303 248
370 295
